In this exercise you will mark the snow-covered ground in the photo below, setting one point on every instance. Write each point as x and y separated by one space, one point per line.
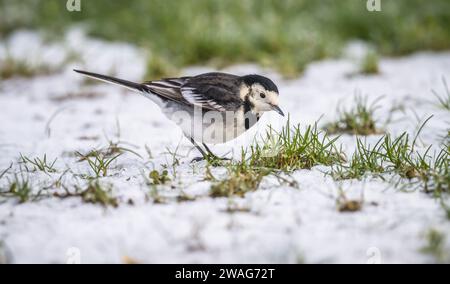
59 114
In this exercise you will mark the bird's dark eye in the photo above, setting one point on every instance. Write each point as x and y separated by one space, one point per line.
262 95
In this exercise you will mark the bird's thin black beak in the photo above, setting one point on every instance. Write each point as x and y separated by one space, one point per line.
278 109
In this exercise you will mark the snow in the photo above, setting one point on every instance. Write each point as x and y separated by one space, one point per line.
280 224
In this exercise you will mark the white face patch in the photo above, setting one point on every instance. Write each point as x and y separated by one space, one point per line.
262 99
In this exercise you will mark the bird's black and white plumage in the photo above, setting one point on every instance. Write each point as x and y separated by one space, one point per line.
211 107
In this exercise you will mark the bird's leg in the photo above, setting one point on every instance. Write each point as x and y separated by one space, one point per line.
209 151
205 156
211 154
208 155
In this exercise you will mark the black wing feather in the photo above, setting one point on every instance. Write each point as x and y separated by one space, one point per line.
218 91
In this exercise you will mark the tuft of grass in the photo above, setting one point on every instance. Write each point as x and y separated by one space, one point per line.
401 159
242 178
153 193
95 192
348 205
444 99
99 162
398 156
159 178
366 159
288 150
446 208
155 179
292 149
156 196
345 205
3 173
11 68
184 197
20 187
438 178
369 64
39 164
233 207
358 121
435 246
208 174
113 149
431 173
386 156
175 160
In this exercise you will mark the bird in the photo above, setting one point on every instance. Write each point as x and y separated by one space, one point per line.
211 108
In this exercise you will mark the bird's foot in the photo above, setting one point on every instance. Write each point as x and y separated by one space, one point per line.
211 159
198 159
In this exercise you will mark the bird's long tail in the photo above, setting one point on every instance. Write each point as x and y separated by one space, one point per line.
124 83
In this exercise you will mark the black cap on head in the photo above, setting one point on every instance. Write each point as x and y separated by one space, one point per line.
264 81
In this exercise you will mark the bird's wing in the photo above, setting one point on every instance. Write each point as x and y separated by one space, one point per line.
213 91
168 88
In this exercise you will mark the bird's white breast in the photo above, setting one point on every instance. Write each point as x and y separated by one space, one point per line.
212 127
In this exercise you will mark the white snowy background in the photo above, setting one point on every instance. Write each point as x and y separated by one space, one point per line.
59 114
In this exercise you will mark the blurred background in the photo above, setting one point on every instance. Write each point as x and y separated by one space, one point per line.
283 35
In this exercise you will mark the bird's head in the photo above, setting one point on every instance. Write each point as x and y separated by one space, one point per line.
261 93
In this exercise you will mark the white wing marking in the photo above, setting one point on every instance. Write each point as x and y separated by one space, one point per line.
167 84
197 99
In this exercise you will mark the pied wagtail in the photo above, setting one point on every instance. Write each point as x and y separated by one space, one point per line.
210 108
